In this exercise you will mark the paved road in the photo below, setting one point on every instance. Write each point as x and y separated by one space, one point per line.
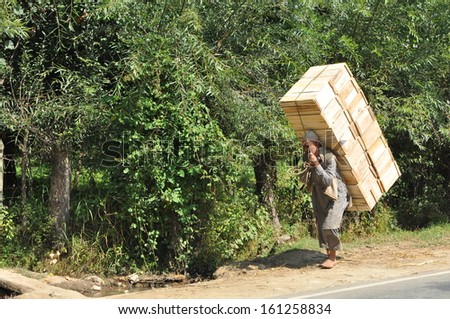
423 286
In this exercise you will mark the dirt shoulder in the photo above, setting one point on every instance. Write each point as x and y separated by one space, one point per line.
297 272
292 272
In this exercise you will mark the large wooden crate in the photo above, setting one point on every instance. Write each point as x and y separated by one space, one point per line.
328 100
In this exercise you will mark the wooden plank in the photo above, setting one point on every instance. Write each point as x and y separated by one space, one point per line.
341 127
296 111
383 161
377 190
349 92
377 149
390 175
363 120
326 136
332 110
387 169
371 134
369 181
359 172
321 98
287 102
316 87
343 76
344 139
352 150
358 105
349 177
359 205
366 196
300 86
309 122
307 108
298 128
356 174
314 71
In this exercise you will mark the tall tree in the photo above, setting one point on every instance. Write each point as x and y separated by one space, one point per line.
54 91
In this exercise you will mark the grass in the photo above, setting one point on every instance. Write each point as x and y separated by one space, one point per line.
434 236
437 235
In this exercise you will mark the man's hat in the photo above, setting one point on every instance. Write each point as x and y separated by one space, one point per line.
311 136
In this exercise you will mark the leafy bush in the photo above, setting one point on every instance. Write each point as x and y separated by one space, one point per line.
25 235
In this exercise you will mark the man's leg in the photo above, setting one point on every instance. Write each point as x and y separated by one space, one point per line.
331 237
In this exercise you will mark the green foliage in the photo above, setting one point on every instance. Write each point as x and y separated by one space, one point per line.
295 204
379 221
24 234
86 257
54 88
10 25
235 230
7 233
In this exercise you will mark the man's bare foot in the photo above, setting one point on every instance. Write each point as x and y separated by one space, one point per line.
328 264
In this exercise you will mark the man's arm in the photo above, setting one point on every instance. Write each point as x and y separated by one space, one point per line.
326 175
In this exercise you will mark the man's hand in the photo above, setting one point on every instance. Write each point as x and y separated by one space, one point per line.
312 160
312 149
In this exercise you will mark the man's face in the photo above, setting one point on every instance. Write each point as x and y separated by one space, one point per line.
310 147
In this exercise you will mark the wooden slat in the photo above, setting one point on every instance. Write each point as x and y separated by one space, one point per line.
390 175
377 149
371 134
349 177
341 127
321 98
377 190
363 119
298 111
352 150
342 77
349 93
366 196
358 104
309 121
314 71
331 111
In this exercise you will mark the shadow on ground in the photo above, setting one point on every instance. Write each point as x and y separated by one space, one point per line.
294 258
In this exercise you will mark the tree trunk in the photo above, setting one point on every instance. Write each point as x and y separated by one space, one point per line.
9 167
266 177
24 165
1 172
60 192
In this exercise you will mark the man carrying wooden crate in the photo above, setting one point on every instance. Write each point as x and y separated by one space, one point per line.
330 196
